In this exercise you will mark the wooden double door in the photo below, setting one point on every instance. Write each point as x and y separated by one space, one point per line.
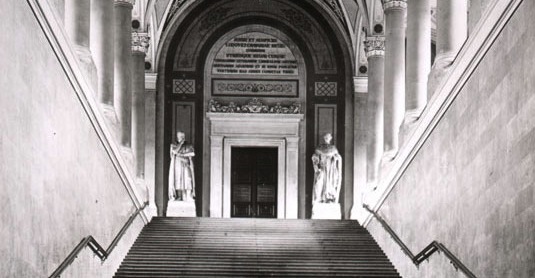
254 182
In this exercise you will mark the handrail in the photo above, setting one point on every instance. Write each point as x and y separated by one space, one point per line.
426 252
90 241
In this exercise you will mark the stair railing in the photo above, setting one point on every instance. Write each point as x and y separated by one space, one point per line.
93 244
426 252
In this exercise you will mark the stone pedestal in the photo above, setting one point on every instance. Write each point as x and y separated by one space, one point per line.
326 211
181 209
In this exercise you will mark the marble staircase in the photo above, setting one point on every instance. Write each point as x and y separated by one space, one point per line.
215 247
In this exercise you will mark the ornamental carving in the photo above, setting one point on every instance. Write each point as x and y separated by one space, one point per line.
390 4
184 86
254 106
375 46
140 42
326 89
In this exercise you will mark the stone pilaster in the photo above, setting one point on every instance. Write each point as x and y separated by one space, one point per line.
360 143
102 43
418 57
394 101
122 69
375 51
140 43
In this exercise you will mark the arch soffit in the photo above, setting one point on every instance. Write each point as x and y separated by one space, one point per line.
236 9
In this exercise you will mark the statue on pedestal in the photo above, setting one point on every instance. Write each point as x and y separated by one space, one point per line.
327 172
181 174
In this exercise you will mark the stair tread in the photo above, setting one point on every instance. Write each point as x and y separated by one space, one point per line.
239 247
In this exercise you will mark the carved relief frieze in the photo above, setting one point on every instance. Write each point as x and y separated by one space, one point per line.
244 87
255 106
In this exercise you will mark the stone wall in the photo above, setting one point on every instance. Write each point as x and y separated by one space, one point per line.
472 185
57 183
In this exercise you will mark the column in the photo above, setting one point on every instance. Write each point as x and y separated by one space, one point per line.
452 31
122 69
418 57
77 26
102 43
360 143
394 102
375 51
140 43
77 13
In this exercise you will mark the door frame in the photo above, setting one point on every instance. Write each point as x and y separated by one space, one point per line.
280 144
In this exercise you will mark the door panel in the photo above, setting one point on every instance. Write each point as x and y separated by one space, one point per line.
254 182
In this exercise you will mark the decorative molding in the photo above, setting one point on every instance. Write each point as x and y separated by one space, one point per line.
244 87
374 46
184 86
140 42
326 89
394 4
64 51
150 80
474 50
360 84
255 106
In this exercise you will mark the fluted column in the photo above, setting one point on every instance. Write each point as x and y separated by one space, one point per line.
418 57
394 104
452 31
122 68
77 13
375 51
140 43
102 43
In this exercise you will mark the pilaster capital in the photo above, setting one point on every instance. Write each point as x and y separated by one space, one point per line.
394 4
375 46
126 3
140 42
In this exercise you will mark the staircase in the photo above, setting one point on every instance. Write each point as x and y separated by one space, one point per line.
213 247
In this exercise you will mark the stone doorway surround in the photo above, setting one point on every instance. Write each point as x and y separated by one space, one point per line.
229 130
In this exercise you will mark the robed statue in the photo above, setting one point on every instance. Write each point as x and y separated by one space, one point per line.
181 174
327 172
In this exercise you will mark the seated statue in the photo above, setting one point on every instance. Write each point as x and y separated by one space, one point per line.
327 172
181 174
